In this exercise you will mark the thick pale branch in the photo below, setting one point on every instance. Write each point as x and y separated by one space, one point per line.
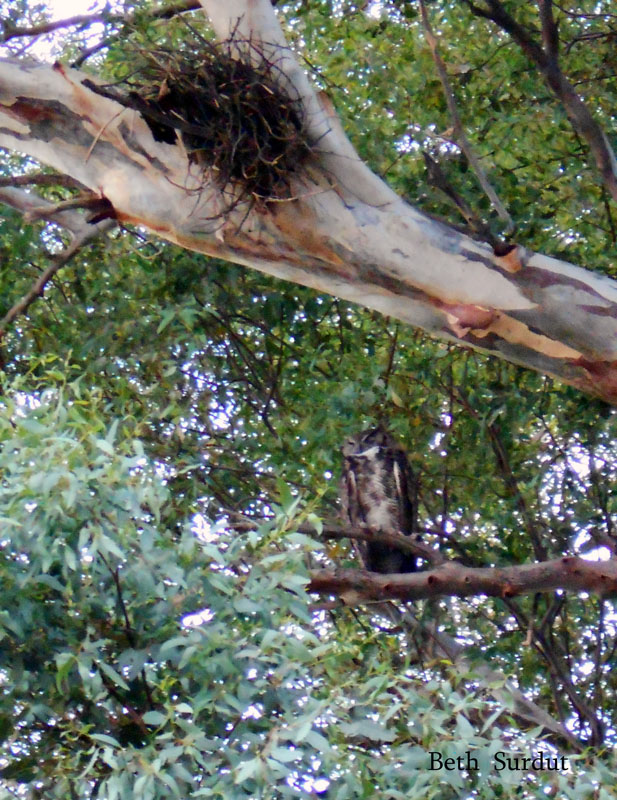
344 232
453 580
84 20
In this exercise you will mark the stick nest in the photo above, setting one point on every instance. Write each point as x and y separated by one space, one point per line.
235 115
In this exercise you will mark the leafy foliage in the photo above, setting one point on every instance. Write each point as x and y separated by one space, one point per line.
142 661
168 424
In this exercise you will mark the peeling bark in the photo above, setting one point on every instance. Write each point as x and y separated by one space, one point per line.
344 232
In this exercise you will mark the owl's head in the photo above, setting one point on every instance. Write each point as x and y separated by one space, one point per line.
366 444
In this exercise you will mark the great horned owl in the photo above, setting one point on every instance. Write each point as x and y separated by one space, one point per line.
377 492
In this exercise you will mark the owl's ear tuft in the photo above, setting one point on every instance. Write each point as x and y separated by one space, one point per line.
378 435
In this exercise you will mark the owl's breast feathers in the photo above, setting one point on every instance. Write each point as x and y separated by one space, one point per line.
377 493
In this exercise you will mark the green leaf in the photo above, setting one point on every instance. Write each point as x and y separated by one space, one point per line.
105 739
111 673
105 446
167 317
369 730
247 770
154 718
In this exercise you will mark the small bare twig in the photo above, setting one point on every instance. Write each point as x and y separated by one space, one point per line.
399 541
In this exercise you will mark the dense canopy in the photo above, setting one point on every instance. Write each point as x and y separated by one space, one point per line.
171 422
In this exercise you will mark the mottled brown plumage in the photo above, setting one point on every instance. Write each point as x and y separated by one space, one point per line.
378 492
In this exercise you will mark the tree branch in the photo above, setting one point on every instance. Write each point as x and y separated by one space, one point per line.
343 231
550 31
82 232
459 134
399 541
49 27
454 580
38 287
41 179
546 61
83 20
32 206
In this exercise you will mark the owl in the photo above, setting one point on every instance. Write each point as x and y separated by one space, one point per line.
378 492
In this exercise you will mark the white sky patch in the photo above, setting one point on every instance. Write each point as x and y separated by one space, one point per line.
197 618
49 47
63 9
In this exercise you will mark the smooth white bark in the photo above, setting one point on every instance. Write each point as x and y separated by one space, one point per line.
345 232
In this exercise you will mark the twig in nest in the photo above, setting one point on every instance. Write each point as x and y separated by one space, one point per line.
234 114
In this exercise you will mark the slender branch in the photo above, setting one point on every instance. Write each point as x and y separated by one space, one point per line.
581 15
391 353
99 207
609 216
83 20
50 27
33 206
128 628
131 712
399 541
458 130
42 179
598 686
552 611
84 234
558 666
546 60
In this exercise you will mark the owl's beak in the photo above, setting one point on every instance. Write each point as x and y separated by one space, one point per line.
371 451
